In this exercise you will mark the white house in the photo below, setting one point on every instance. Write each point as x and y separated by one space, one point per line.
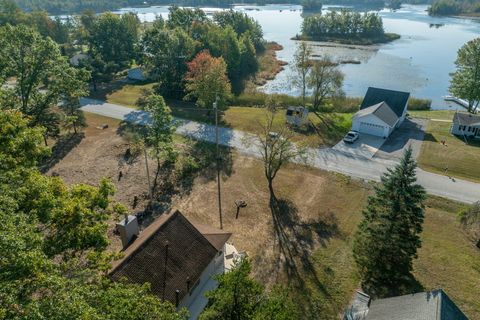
177 258
466 124
381 112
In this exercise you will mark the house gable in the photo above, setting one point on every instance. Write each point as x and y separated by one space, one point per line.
397 100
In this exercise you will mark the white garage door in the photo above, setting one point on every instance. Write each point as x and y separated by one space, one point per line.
373 129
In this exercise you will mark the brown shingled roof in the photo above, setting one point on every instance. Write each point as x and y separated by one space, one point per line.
216 236
189 253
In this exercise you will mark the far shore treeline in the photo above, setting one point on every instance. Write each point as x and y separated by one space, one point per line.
75 6
345 26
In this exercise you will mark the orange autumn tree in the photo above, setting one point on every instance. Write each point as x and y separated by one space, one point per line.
207 79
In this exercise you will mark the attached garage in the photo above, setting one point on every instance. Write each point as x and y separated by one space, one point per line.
381 112
373 129
378 120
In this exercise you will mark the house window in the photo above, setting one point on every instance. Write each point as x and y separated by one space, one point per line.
469 129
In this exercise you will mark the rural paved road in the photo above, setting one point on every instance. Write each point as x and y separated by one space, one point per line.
325 158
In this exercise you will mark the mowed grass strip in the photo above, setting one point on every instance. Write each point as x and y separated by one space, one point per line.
128 94
447 259
432 114
461 159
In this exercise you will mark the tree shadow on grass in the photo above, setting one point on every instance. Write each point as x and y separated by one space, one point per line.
296 240
195 159
60 150
203 154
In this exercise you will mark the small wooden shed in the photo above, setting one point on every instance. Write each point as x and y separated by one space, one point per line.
297 115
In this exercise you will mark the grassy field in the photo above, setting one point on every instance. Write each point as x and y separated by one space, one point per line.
447 259
331 130
310 248
461 159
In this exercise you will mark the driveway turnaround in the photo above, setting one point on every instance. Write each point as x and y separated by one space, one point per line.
409 134
326 159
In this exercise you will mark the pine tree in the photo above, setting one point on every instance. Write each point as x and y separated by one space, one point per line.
389 235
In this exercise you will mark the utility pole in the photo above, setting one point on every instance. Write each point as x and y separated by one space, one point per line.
215 107
148 174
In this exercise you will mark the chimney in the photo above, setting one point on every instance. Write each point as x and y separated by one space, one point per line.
128 229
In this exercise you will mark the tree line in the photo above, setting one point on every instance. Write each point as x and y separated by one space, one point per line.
452 7
177 54
343 24
168 46
73 6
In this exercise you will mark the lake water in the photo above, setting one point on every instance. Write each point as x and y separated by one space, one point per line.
420 62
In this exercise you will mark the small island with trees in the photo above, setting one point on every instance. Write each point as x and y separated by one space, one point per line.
345 27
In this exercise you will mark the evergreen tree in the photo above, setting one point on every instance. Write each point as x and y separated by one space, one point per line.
389 235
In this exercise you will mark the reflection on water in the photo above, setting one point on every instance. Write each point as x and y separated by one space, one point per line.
420 62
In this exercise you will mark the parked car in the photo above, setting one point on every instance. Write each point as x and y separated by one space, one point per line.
351 137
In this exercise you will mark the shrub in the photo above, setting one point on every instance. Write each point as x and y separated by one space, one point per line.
187 166
419 104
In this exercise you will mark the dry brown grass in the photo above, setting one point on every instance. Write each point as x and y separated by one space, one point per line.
309 246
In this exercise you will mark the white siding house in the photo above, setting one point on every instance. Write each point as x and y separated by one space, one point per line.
381 112
466 124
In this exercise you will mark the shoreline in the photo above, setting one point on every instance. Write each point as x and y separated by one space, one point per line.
269 65
386 38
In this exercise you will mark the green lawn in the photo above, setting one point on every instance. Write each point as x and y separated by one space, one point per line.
433 114
461 159
331 130
128 94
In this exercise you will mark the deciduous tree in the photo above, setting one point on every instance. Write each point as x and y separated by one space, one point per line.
42 76
160 132
53 240
166 53
207 80
465 82
239 297
301 67
276 147
114 37
325 80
